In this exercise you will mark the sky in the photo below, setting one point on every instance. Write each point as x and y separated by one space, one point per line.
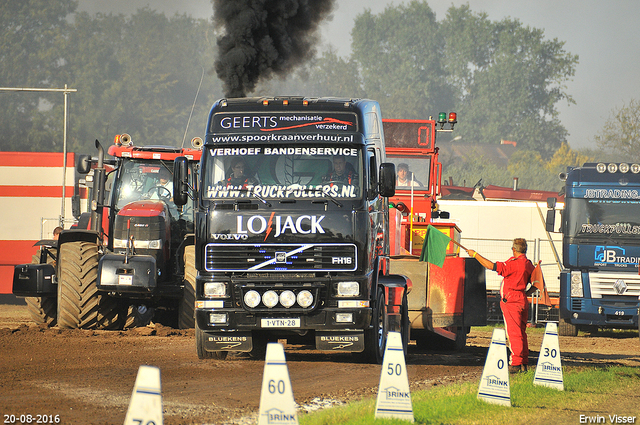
604 34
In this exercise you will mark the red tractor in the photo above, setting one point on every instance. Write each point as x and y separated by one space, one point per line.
131 257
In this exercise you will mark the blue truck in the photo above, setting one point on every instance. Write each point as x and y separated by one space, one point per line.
600 284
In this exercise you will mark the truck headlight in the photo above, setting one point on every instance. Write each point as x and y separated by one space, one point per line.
348 289
252 299
287 298
305 299
576 284
215 289
270 299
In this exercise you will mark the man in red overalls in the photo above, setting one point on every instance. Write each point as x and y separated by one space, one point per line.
516 272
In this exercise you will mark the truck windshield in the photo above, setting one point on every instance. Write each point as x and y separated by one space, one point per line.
617 219
282 172
140 180
411 171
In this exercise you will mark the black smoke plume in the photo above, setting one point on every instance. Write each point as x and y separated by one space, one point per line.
264 37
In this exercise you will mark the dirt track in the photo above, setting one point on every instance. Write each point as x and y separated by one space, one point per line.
87 377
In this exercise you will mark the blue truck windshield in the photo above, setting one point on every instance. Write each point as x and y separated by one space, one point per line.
276 171
604 219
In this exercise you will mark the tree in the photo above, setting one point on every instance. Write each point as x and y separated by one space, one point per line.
327 75
621 132
30 36
399 54
529 166
508 79
566 157
138 75
503 79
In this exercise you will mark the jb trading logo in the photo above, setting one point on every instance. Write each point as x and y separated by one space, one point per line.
613 255
607 254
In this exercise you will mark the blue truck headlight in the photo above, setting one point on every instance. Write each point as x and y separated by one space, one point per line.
576 284
215 289
344 317
348 289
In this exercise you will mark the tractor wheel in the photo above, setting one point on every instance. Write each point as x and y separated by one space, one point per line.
186 310
204 354
43 310
112 313
376 338
138 316
78 299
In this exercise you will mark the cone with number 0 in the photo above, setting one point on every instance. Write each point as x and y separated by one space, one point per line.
494 384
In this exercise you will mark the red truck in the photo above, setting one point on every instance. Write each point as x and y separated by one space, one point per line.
445 301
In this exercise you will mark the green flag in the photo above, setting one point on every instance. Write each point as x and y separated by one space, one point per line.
434 248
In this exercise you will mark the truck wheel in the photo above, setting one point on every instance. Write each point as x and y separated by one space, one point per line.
42 310
460 342
78 299
376 337
186 310
259 343
204 354
567 329
405 324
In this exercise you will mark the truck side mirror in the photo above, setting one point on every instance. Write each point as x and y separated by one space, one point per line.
180 180
83 164
551 220
387 180
551 214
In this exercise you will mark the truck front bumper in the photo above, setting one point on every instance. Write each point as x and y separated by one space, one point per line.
600 312
235 334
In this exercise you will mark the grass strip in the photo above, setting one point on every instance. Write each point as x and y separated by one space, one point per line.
590 394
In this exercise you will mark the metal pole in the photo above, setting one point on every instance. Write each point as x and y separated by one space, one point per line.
64 157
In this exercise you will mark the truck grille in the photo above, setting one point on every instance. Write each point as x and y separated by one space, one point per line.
603 284
220 257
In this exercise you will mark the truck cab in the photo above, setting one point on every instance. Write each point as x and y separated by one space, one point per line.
292 228
600 285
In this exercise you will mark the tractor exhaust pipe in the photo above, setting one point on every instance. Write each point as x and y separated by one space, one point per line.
99 176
